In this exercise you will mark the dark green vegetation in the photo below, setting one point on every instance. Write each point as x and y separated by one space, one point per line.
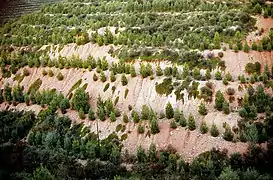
54 149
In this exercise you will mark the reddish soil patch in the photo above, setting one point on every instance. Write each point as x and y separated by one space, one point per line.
236 62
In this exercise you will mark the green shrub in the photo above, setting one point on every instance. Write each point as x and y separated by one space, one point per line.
113 117
116 100
95 77
140 129
118 127
225 81
228 76
91 114
218 75
132 71
35 86
130 107
113 89
169 111
106 87
50 73
145 112
219 100
183 121
124 81
191 123
173 124
154 126
226 109
44 72
159 71
230 91
80 100
177 115
102 76
214 131
25 72
123 137
117 112
202 109
125 118
228 134
81 114
253 68
112 77
60 77
126 93
204 128
165 87
135 116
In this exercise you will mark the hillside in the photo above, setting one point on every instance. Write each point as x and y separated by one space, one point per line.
121 80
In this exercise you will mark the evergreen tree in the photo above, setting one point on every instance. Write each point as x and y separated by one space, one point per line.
125 118
154 126
228 174
169 111
80 100
218 75
203 127
64 104
191 123
124 81
135 116
202 109
228 76
112 77
177 115
219 100
91 114
228 134
101 113
216 40
141 156
102 76
226 107
60 77
252 134
173 124
145 112
132 71
81 114
254 46
214 131
95 77
208 74
246 48
183 121
159 71
113 117
7 93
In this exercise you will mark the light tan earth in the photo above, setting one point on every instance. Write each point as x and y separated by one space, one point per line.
141 91
83 51
236 62
189 144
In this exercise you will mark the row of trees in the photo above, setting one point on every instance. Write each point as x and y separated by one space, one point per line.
54 140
